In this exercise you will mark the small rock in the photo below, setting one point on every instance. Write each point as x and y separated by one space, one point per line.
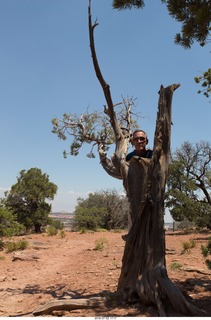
2 279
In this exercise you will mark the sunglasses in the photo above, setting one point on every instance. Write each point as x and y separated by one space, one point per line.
139 138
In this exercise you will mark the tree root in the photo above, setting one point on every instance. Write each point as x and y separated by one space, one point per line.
70 304
160 289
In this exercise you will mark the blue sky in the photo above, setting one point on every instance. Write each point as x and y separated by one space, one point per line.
46 70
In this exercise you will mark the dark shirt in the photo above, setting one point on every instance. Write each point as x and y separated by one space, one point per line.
148 154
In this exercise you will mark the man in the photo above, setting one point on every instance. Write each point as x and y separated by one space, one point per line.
139 141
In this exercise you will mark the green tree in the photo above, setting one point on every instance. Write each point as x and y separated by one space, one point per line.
143 273
9 225
88 218
194 17
189 184
27 198
205 80
206 251
105 209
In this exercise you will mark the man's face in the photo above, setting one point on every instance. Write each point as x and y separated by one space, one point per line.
139 141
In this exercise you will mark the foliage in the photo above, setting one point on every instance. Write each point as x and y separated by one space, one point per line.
93 128
206 250
52 231
205 80
88 218
100 244
56 223
8 223
187 245
15 246
175 266
2 244
105 209
194 16
62 234
27 198
189 184
127 4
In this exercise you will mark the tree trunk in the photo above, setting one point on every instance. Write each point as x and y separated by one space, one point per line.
143 264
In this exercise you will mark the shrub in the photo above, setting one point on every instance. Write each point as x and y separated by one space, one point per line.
206 250
62 234
2 245
107 210
58 224
175 266
15 246
187 245
52 231
100 244
8 223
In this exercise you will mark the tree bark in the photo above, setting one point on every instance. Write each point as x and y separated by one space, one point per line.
143 270
143 264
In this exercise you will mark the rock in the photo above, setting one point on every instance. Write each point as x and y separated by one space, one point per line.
24 256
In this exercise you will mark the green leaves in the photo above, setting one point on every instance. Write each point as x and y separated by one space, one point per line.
205 80
27 198
127 4
189 184
8 223
106 209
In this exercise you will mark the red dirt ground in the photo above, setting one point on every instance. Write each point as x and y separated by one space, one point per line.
53 267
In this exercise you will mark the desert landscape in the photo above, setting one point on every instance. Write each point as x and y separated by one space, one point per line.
55 267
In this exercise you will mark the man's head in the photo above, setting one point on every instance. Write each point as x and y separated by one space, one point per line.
139 141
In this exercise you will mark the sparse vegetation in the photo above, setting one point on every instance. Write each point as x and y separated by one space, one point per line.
52 231
84 230
206 250
101 210
175 265
62 234
58 224
1 244
15 246
100 244
187 245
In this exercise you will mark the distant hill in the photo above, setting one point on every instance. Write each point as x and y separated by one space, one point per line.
63 216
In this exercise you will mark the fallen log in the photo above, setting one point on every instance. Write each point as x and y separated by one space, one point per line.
70 304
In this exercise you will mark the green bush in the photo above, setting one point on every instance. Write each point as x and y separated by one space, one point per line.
175 266
206 250
58 224
8 223
15 246
88 218
62 234
2 244
101 244
187 245
52 231
101 210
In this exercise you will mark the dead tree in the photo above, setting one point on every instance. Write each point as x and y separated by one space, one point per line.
143 272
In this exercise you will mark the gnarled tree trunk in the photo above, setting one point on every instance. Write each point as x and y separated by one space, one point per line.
143 264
